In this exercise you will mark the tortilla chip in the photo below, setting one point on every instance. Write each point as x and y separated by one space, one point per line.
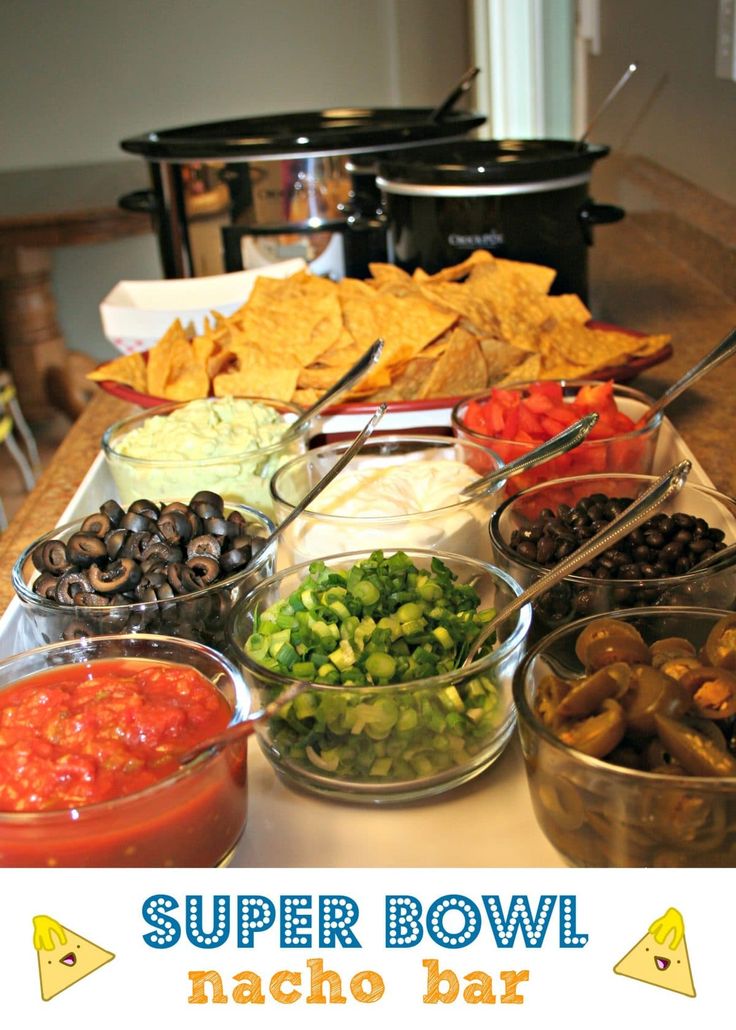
257 380
530 368
130 370
484 321
461 369
382 273
161 358
454 272
408 384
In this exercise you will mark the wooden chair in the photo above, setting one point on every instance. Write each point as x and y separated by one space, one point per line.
16 436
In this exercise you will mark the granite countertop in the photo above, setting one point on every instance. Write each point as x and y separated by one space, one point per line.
654 271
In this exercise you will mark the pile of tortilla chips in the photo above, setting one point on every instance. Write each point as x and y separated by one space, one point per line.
484 322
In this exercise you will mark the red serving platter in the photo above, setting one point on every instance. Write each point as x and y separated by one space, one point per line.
622 373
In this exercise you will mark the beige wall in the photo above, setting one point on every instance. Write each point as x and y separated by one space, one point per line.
674 110
77 76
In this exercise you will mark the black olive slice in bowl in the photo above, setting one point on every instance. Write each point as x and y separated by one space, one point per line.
133 591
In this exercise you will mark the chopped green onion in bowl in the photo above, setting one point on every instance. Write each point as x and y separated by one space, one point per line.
387 713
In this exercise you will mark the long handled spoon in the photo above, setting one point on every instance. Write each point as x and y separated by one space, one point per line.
327 478
637 512
559 444
351 377
444 108
607 100
245 728
711 360
634 515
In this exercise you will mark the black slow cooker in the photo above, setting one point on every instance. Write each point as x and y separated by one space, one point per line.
522 199
243 193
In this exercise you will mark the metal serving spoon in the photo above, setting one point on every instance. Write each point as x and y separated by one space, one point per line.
327 478
721 557
607 100
444 108
245 728
720 353
351 377
636 513
559 444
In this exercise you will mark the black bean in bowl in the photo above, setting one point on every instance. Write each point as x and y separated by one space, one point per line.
657 563
171 568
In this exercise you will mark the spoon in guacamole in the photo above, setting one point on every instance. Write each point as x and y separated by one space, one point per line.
327 478
351 377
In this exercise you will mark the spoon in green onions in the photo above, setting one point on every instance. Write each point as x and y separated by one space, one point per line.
245 728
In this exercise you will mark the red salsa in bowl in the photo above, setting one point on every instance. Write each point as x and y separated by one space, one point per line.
91 733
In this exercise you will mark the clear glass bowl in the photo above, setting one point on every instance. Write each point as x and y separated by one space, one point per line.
199 616
578 596
599 814
626 452
424 756
458 526
241 477
193 818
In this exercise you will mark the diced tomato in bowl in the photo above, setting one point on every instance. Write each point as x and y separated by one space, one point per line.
513 420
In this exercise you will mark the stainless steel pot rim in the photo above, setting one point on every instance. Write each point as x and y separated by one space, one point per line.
408 189
305 154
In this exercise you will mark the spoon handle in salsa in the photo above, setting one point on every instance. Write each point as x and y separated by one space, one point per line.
243 729
637 512
558 444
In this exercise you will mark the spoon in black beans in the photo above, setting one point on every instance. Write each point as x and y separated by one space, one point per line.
637 512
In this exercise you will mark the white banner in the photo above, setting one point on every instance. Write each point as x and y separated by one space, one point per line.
348 947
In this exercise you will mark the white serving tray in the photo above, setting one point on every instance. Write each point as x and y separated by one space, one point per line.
489 822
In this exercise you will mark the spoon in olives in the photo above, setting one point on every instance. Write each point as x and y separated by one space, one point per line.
570 437
637 512
351 377
707 363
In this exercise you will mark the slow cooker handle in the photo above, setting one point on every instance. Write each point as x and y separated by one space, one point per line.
139 202
591 214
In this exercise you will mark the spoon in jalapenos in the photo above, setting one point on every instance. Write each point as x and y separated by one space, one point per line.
637 512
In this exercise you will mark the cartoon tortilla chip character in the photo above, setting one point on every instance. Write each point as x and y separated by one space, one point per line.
64 958
660 961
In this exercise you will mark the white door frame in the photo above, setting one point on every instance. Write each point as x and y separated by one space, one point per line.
525 51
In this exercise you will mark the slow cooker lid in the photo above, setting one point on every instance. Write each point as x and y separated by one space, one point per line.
475 162
335 130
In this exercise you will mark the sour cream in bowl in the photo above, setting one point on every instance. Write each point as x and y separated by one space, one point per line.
399 491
